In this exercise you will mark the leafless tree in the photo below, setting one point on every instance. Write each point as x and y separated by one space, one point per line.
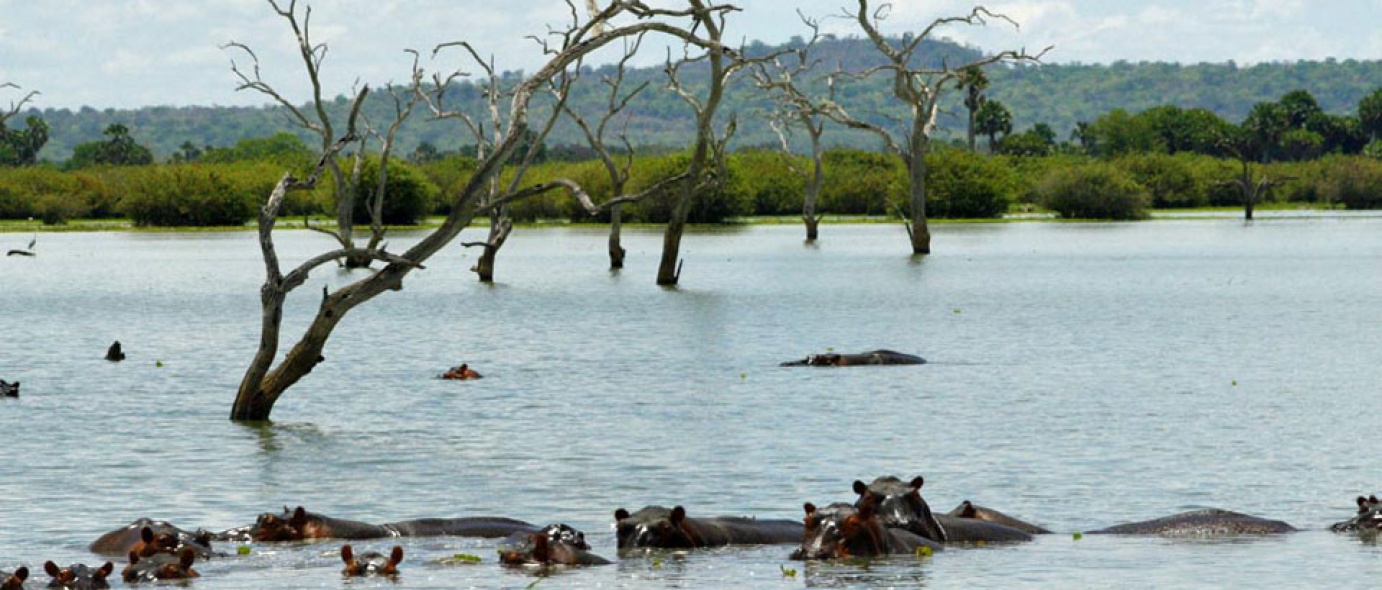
920 88
797 109
618 168
15 106
268 377
317 119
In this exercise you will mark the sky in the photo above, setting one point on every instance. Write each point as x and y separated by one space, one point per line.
132 53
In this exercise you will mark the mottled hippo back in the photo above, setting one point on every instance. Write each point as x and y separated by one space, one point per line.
1212 522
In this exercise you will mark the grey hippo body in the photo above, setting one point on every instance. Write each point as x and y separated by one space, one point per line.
872 357
900 505
658 527
1210 522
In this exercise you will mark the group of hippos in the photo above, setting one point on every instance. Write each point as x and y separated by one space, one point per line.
889 517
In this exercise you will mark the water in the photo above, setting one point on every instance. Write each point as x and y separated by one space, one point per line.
1081 375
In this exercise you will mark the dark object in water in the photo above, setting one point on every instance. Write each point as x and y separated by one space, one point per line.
25 252
462 372
9 389
114 354
872 357
372 563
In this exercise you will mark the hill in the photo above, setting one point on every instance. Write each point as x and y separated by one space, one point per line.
1057 94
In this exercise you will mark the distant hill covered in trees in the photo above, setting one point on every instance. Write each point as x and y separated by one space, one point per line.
1057 95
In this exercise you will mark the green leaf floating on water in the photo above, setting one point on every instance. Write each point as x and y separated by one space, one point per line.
459 559
923 551
1078 536
788 572
242 550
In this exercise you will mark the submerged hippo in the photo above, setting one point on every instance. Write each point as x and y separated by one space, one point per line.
460 373
15 580
556 544
299 524
8 389
900 505
114 354
1210 522
872 357
147 537
972 511
161 566
842 530
658 527
1367 520
372 563
77 576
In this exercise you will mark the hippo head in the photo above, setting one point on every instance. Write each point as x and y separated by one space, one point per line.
14 581
77 575
900 505
1367 520
370 564
161 566
10 390
288 526
655 526
841 530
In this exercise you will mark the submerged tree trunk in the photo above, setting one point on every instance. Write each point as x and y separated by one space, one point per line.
916 168
813 191
616 250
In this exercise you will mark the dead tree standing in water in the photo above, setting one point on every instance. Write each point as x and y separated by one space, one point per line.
920 88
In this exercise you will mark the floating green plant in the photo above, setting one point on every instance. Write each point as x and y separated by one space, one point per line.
924 551
1078 536
242 550
460 559
788 572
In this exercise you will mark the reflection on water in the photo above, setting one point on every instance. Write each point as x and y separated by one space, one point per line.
1183 364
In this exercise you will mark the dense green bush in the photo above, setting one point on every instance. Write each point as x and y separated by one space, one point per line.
1094 191
960 184
862 183
766 177
188 195
1355 183
408 195
1168 179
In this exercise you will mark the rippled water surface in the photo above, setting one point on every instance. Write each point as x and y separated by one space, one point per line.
1080 375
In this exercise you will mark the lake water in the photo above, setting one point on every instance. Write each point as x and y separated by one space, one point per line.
1080 376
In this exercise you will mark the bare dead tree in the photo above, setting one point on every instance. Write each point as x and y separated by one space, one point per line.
317 119
619 169
796 109
920 88
15 105
1251 189
264 381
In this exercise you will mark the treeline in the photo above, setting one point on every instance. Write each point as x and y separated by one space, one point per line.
227 189
1060 96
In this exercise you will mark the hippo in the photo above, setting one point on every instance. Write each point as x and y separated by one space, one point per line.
299 524
658 527
1367 520
973 511
1212 522
8 389
372 563
842 530
147 536
78 576
161 566
872 357
114 354
900 505
14 581
556 544
460 373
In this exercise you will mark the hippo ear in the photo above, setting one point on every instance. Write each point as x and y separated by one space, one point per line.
23 572
860 487
347 555
52 569
967 510
396 556
105 570
187 557
1362 503
810 508
678 514
299 516
917 482
621 514
146 534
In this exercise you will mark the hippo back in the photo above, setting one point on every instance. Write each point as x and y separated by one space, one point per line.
658 527
969 510
1211 522
900 505
168 538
